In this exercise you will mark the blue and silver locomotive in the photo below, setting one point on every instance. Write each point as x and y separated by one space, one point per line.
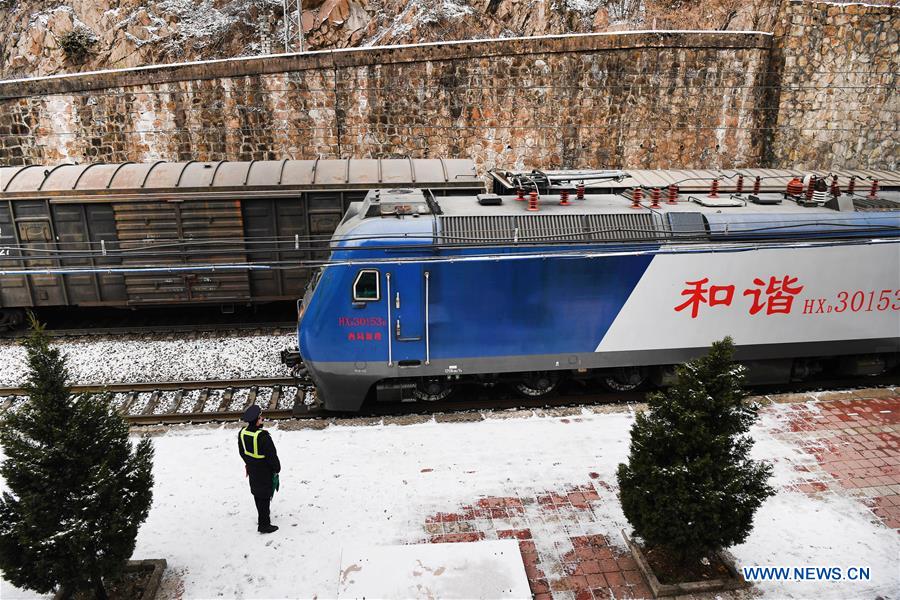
420 294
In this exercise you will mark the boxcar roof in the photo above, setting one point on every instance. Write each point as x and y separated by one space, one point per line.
162 176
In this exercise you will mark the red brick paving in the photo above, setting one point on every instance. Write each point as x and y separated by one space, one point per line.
856 444
577 565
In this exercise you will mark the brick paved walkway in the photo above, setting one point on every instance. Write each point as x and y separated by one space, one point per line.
855 443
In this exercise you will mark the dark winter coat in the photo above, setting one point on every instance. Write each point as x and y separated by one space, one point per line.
260 470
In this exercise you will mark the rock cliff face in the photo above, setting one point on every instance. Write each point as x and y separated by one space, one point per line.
34 34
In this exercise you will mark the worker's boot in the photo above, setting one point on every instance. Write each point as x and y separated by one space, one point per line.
267 528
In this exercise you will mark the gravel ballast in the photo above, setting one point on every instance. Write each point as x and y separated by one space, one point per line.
142 360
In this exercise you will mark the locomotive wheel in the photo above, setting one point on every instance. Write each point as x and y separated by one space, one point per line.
625 379
539 384
433 390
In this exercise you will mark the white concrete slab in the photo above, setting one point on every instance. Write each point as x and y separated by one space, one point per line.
486 569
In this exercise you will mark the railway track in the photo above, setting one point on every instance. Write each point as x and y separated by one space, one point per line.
174 402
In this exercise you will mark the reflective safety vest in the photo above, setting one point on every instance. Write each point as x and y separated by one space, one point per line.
255 435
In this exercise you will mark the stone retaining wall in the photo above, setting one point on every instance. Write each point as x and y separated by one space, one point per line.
819 93
639 99
836 103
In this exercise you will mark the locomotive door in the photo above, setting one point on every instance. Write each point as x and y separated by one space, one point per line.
409 319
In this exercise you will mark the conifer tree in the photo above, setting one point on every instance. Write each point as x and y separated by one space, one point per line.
689 486
78 489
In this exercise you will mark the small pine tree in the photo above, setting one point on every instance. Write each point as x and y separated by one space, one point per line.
690 487
79 490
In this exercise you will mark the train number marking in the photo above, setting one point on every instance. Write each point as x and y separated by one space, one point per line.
854 301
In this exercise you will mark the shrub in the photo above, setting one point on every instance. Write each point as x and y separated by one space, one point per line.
76 44
78 489
690 487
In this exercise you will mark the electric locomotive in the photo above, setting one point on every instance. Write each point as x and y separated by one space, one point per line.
563 279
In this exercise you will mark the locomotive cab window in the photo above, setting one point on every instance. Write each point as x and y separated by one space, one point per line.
366 287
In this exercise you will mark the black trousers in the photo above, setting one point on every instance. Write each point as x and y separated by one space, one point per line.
262 509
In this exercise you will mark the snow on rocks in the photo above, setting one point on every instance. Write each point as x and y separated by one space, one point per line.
143 360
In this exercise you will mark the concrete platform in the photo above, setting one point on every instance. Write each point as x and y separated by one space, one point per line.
486 569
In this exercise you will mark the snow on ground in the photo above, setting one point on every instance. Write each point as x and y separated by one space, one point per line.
355 484
138 359
830 529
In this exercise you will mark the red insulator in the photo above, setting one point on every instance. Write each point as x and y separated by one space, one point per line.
673 194
835 190
795 187
714 189
851 186
636 195
740 184
810 189
756 184
579 191
654 196
873 191
532 201
564 198
520 195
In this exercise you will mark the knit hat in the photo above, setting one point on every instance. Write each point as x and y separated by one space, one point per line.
252 413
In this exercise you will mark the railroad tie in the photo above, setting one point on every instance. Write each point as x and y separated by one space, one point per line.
276 395
179 398
201 400
226 399
151 404
126 406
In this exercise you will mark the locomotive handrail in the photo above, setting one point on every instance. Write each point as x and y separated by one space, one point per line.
427 337
388 285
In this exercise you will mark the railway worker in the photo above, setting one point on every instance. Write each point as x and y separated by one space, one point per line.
258 451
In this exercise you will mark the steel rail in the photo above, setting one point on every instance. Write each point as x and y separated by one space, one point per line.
165 386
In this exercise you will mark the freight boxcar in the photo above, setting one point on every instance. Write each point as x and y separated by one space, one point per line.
164 233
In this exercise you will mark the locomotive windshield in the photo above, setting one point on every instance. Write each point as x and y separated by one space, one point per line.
365 287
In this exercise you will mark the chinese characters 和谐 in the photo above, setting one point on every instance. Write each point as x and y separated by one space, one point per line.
775 296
